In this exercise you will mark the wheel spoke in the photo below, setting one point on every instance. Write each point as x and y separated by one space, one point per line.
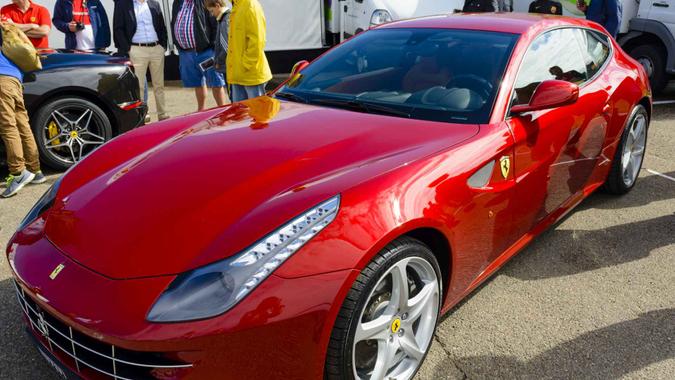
628 171
419 303
625 159
89 142
62 117
375 329
399 295
386 352
87 133
88 113
409 345
59 136
638 127
57 146
72 152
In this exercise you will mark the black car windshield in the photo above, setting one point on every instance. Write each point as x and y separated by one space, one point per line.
430 74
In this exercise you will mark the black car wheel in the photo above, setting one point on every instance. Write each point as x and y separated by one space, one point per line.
387 321
630 153
67 129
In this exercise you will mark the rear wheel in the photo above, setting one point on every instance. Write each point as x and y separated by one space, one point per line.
67 129
630 153
653 59
386 323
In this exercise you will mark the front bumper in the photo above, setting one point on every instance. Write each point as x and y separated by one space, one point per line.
280 330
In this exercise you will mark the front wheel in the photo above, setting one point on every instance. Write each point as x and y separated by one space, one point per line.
388 319
67 129
630 153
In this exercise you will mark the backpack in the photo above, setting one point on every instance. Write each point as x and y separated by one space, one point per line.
478 6
18 49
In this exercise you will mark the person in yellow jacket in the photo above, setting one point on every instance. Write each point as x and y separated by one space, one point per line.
247 69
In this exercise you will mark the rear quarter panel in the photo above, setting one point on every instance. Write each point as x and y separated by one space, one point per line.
111 84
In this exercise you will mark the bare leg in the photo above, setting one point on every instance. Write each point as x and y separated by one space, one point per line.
219 95
200 93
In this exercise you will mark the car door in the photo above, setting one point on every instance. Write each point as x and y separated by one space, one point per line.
556 149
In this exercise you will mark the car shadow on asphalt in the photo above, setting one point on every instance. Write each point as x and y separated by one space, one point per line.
607 353
587 250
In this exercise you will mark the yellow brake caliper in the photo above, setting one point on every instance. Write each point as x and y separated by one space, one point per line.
53 132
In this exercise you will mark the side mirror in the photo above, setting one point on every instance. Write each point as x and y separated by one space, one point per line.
298 67
549 94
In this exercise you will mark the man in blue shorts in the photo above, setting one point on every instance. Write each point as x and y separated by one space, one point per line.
194 31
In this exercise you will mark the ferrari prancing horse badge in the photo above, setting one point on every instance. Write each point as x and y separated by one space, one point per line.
56 271
505 165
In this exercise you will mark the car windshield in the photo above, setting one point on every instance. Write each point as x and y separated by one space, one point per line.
430 74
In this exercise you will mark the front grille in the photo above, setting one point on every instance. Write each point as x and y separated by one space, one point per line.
90 357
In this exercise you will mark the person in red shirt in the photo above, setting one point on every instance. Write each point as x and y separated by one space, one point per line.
32 19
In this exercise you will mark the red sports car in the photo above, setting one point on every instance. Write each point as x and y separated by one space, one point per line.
320 231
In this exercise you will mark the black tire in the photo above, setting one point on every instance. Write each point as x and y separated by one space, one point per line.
339 355
43 118
655 57
615 183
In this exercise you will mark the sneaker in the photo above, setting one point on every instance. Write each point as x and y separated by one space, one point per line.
39 178
163 117
16 183
147 119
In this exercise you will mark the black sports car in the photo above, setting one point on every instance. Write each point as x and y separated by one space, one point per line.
78 101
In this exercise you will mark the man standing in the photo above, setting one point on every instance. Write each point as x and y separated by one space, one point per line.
247 69
31 18
194 31
139 32
84 23
605 12
15 131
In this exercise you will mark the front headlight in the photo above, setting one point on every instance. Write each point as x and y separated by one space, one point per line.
380 16
43 204
212 290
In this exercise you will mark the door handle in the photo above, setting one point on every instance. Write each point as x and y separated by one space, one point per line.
607 110
662 5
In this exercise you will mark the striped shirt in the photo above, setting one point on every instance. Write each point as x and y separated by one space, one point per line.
184 27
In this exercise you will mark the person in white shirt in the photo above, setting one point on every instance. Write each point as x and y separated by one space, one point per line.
84 22
139 32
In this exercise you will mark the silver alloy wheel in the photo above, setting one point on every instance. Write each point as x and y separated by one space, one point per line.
75 135
634 150
397 322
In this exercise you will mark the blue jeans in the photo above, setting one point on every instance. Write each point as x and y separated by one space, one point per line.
239 92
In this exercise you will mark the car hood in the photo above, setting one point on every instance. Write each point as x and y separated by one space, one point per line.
177 195
57 58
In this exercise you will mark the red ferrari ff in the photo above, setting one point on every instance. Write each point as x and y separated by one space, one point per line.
320 231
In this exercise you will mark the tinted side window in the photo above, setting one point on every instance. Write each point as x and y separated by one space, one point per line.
553 55
597 51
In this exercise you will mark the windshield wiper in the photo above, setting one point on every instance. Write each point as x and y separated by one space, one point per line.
291 97
360 105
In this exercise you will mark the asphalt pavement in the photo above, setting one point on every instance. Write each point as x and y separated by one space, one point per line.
592 298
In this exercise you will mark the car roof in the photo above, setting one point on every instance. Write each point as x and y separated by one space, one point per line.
514 23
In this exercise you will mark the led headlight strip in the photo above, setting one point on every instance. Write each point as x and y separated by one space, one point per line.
280 245
215 288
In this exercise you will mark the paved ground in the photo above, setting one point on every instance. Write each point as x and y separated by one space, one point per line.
592 298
